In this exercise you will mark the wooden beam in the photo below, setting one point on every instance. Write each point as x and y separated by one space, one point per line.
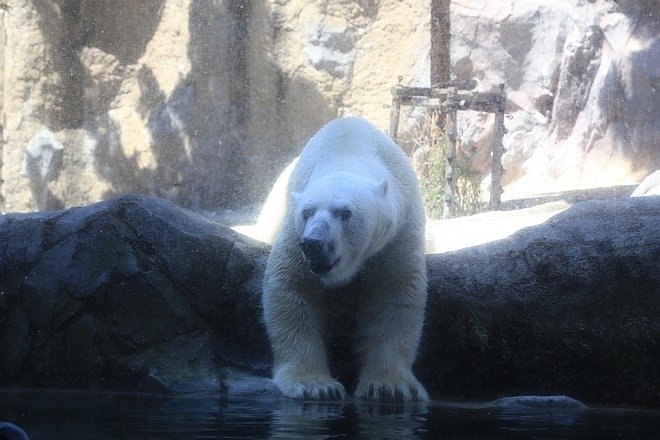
496 168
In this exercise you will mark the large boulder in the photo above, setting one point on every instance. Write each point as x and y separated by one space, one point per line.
569 306
138 294
133 293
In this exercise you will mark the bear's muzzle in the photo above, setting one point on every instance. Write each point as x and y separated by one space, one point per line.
320 253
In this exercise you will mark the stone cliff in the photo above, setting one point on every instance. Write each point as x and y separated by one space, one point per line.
204 102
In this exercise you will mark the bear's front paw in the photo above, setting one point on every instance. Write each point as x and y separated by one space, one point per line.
310 388
391 387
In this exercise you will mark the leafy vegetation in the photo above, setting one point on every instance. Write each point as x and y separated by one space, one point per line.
430 143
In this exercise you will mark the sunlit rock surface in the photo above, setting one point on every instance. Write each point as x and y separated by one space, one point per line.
138 294
204 103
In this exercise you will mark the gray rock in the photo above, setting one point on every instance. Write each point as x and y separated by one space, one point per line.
556 403
556 410
133 293
138 294
566 307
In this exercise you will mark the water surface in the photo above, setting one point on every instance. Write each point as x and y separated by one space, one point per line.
86 415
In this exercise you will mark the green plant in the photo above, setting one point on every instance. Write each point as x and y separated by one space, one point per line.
430 143
468 189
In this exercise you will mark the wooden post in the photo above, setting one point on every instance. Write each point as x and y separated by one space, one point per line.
448 101
440 42
394 114
450 152
496 169
440 76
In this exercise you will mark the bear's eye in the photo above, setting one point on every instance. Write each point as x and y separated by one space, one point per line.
343 214
307 213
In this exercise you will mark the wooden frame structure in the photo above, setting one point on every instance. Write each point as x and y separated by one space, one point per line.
449 99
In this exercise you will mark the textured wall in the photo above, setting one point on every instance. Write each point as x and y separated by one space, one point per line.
204 102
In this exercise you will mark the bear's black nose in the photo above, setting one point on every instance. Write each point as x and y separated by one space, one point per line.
312 248
320 253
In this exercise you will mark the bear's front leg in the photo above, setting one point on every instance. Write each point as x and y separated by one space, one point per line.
294 322
389 337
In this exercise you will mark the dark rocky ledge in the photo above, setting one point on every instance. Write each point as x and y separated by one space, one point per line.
135 293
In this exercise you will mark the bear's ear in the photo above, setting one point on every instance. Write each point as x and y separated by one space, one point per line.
381 188
295 197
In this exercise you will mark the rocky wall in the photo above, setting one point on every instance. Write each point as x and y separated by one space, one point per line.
204 102
582 86
185 99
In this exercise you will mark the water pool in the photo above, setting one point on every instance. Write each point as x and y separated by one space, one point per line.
87 415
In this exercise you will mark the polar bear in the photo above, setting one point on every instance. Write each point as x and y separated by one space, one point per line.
354 208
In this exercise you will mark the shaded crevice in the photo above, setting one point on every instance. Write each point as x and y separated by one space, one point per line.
40 342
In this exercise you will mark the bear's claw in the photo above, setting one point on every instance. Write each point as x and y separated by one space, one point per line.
312 389
392 393
329 393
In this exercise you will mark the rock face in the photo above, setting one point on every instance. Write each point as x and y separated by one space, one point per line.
583 100
565 306
184 99
134 293
138 294
190 99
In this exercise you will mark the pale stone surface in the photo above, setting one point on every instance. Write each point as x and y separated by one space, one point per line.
580 80
650 186
458 233
204 103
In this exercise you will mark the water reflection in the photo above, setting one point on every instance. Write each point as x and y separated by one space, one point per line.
60 415
350 420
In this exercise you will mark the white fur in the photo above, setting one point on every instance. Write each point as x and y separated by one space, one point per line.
272 213
358 184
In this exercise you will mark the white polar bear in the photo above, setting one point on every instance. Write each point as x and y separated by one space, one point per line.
354 207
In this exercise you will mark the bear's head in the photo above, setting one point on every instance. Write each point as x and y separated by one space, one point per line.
341 220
